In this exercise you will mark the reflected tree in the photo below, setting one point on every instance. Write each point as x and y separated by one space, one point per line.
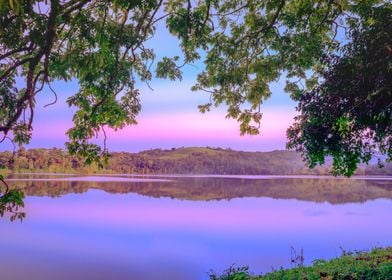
333 191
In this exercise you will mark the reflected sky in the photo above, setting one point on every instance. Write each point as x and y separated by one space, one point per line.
105 235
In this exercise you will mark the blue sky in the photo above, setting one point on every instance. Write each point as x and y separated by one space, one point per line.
169 116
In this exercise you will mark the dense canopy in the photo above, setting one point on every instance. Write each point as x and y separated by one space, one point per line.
349 116
245 45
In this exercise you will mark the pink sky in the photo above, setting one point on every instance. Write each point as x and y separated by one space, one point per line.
169 118
166 130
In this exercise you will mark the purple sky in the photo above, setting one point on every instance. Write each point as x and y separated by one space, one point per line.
169 116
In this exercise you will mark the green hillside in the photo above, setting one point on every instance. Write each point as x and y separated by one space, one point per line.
191 160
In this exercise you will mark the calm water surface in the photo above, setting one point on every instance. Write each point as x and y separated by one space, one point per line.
181 227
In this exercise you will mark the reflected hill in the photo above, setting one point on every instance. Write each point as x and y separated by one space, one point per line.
334 191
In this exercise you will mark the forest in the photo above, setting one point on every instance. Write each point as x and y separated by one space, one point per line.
192 160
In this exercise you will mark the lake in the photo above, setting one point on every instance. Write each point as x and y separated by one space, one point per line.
172 227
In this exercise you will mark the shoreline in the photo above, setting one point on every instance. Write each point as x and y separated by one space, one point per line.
223 176
368 265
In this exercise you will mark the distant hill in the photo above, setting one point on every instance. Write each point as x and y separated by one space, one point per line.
192 160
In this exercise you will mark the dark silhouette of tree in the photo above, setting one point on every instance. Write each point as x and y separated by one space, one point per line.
349 115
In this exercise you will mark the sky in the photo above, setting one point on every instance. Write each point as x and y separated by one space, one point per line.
169 116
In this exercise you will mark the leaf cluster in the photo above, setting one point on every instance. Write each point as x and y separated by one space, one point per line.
349 115
11 200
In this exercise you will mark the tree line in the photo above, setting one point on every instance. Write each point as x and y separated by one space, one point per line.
174 161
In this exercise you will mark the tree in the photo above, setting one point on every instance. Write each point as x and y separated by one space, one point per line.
11 200
245 46
349 115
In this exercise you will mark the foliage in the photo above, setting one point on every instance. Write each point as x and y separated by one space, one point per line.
376 264
232 273
245 45
174 161
349 115
10 202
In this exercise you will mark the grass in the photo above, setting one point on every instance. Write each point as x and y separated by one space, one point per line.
376 264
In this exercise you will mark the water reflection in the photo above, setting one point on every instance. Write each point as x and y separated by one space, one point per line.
334 191
181 229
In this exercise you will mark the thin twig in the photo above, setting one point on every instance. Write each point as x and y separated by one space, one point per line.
7 187
55 97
